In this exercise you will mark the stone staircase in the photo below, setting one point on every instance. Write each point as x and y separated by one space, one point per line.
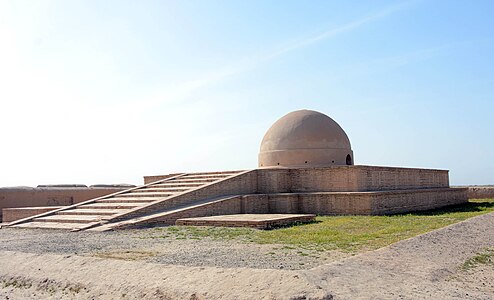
103 210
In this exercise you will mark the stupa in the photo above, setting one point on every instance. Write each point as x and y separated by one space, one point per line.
306 167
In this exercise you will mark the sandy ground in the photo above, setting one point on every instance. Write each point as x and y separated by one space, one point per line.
155 246
33 265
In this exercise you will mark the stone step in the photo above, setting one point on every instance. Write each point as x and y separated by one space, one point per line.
71 219
117 205
216 177
187 181
50 225
106 212
144 194
215 173
179 185
162 190
167 217
128 200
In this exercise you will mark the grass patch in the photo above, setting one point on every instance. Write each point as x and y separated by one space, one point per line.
126 255
343 233
484 258
193 232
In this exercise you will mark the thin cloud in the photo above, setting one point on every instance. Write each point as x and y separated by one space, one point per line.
182 90
340 29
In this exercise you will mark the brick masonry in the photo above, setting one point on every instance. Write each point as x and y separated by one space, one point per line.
349 179
16 197
13 214
258 221
337 190
480 192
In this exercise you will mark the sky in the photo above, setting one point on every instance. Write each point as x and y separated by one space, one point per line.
98 92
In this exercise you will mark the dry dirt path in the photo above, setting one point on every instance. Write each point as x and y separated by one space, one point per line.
424 267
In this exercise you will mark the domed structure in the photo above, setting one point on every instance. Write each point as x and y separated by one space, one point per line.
305 138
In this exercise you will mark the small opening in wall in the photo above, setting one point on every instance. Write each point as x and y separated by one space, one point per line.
278 164
333 161
348 160
305 161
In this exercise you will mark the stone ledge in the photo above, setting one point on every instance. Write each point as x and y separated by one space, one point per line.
258 221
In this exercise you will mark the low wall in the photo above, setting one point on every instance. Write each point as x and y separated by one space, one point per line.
14 214
416 200
357 203
480 192
14 197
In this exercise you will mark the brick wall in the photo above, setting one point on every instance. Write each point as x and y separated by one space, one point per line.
365 203
386 178
274 181
325 191
416 200
332 179
283 203
335 203
28 197
349 179
222 207
480 192
13 214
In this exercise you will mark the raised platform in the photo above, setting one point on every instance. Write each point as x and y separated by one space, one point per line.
259 221
336 190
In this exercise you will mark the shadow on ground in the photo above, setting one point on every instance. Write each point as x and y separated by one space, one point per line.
476 206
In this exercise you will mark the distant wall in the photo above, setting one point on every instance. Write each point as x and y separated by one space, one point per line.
480 192
13 197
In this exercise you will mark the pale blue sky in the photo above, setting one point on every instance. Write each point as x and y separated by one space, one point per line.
108 91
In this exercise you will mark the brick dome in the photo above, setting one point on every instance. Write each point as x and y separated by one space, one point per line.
305 138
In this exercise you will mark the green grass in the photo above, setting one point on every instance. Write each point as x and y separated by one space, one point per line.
484 258
343 233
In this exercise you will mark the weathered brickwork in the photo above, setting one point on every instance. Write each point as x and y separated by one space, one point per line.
244 183
365 178
283 203
274 181
415 200
259 221
35 197
335 190
13 214
255 204
480 192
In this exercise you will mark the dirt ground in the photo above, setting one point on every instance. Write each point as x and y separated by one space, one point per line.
61 265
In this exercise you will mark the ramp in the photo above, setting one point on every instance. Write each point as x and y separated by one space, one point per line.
133 203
